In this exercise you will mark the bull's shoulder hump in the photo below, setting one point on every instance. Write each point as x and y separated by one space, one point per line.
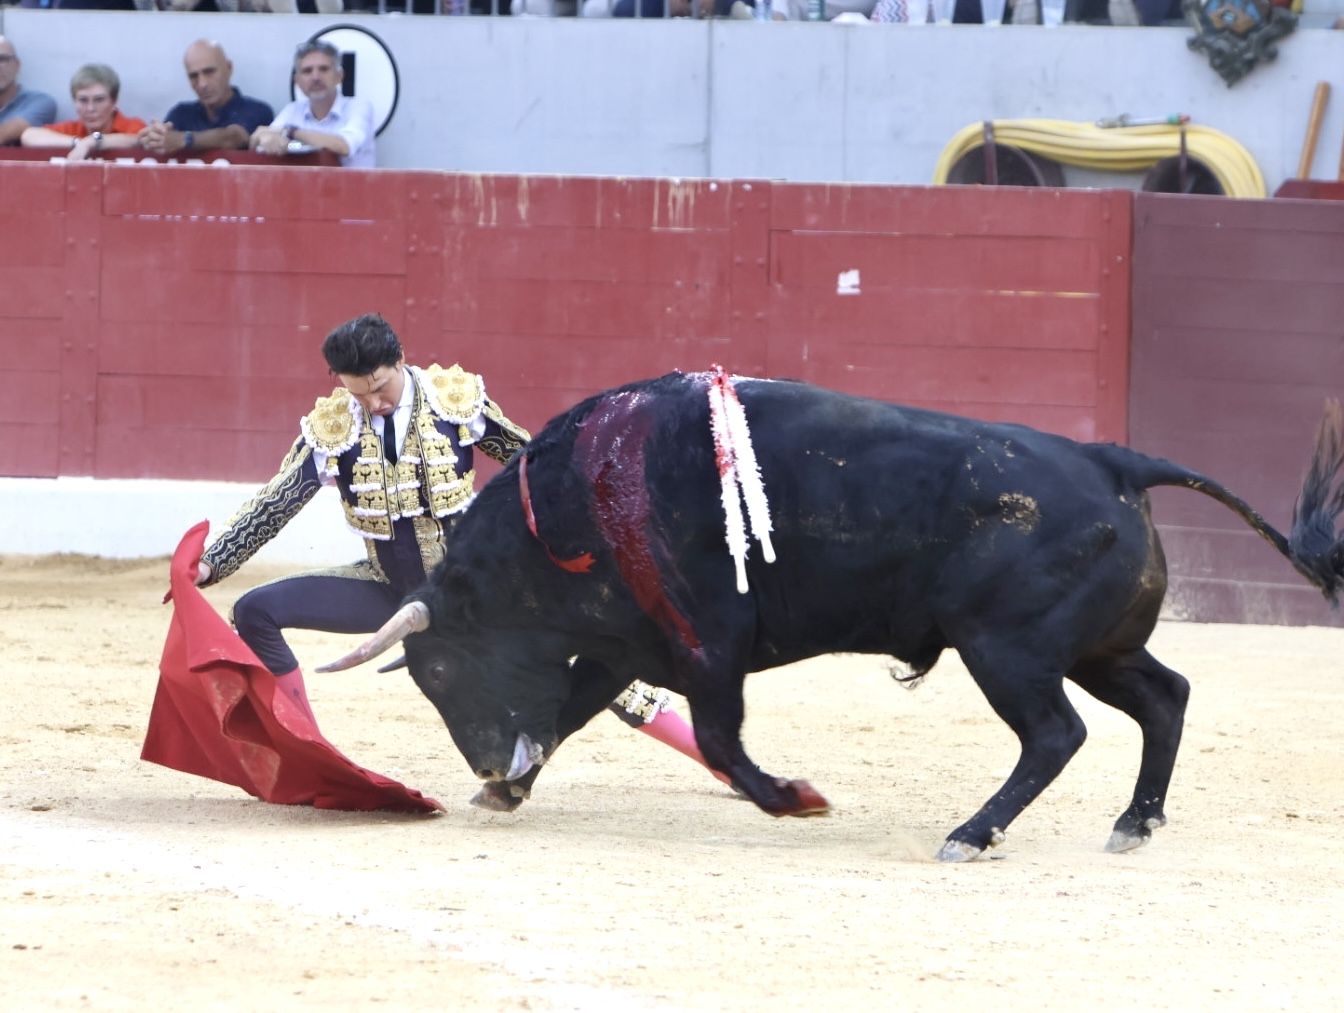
332 427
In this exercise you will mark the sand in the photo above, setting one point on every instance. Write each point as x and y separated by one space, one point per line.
631 880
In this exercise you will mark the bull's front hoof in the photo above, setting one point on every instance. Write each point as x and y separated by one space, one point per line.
810 801
496 796
958 851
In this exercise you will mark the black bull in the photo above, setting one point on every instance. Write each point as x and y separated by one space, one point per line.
602 557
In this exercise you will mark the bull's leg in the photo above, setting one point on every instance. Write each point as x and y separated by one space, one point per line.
1033 704
717 712
1154 696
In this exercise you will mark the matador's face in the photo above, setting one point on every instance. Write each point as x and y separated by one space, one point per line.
379 392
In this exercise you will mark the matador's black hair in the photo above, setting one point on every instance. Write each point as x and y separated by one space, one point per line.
360 346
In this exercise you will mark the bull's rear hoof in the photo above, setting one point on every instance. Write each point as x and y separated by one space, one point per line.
495 796
810 801
1127 839
958 851
1124 842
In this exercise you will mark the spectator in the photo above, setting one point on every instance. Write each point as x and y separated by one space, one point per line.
324 118
675 8
99 124
222 116
82 5
19 108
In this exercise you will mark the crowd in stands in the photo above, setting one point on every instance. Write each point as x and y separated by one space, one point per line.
221 117
1118 12
325 119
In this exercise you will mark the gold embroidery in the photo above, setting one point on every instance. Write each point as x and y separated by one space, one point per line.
429 536
425 472
642 700
333 425
261 517
453 394
510 439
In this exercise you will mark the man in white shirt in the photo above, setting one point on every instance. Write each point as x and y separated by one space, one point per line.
323 118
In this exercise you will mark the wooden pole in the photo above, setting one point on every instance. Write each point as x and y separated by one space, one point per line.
1318 101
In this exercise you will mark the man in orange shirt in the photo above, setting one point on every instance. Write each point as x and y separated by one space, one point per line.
99 125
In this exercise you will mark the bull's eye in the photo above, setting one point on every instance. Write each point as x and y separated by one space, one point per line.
438 672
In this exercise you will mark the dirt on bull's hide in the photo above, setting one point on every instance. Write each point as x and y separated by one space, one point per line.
632 880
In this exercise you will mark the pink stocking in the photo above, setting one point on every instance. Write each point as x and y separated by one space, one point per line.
669 728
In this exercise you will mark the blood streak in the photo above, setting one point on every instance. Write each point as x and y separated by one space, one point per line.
610 453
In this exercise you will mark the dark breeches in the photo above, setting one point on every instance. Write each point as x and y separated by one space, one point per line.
337 600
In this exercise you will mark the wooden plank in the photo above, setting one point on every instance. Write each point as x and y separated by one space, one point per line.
33 293
949 210
162 402
126 451
34 188
253 192
31 240
583 362
316 301
938 317
608 255
1017 376
210 351
158 243
546 307
540 201
947 263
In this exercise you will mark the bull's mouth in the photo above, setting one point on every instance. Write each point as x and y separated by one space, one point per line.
526 755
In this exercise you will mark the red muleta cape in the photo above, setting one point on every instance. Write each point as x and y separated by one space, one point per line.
217 714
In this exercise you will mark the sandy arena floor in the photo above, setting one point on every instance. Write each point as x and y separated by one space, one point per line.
632 880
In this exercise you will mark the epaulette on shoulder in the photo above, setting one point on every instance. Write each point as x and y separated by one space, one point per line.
332 427
454 395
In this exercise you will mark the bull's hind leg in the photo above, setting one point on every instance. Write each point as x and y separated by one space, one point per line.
1154 696
1032 702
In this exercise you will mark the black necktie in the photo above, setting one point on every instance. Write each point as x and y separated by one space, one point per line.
389 439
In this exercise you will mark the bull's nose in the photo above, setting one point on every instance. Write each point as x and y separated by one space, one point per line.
486 774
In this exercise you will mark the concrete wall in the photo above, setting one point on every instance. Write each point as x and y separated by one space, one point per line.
795 101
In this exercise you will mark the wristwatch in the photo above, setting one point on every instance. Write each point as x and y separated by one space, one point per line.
290 132
188 141
97 136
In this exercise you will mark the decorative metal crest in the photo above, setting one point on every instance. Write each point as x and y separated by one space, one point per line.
1236 34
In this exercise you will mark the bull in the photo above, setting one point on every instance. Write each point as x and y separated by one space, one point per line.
599 553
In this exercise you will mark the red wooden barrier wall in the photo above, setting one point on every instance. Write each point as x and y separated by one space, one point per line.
165 321
1237 343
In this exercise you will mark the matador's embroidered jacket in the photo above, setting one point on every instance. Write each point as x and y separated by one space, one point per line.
385 503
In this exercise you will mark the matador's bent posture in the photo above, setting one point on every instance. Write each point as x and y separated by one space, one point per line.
397 442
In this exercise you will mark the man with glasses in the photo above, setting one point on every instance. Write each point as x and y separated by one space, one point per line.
19 107
324 118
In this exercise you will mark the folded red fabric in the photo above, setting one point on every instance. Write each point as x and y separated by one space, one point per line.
217 714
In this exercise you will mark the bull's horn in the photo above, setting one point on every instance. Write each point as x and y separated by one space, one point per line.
392 666
413 617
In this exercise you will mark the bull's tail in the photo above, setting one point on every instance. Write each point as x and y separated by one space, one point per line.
1315 545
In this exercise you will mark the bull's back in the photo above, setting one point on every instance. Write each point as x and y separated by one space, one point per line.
887 519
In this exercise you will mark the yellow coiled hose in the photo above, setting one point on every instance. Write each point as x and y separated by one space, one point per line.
1118 149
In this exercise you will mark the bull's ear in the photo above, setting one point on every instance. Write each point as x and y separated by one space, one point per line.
392 666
